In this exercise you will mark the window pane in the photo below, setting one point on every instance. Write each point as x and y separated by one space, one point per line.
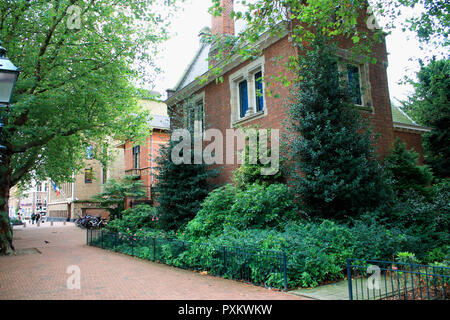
88 175
259 92
243 98
354 83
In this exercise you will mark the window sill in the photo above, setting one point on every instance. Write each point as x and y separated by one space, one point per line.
251 117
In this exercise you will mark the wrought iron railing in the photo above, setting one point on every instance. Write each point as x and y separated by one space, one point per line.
260 267
387 280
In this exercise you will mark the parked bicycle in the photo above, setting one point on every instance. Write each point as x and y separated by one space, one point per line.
90 222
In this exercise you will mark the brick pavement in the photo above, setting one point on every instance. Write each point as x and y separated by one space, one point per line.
104 274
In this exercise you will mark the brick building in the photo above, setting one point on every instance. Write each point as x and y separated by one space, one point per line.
235 101
140 159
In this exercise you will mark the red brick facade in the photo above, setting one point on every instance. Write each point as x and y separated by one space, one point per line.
148 154
218 111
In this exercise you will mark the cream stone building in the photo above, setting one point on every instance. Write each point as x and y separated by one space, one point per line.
75 198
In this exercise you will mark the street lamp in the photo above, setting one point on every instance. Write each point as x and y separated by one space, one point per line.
8 77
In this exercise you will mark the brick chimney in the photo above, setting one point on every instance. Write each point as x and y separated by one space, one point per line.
223 24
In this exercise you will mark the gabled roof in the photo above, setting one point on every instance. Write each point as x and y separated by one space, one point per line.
398 115
197 67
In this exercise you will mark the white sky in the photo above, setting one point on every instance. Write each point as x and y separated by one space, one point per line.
403 48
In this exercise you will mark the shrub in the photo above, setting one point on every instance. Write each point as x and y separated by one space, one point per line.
406 173
211 217
426 219
257 207
133 219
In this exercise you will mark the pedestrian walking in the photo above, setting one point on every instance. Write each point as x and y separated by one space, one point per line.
33 217
38 217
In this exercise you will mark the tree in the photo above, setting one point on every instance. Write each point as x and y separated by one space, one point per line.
334 166
407 174
181 188
116 192
430 106
78 62
249 172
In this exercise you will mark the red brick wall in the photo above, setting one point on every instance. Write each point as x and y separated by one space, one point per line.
147 158
413 141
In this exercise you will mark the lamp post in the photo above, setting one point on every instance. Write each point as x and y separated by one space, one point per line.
8 77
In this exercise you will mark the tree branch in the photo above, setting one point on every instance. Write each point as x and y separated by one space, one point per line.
19 173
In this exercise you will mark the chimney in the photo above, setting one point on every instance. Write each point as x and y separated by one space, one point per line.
223 24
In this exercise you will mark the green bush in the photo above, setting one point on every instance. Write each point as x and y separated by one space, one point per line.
134 219
257 207
427 219
406 173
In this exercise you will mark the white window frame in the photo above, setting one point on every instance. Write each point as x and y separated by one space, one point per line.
200 97
247 73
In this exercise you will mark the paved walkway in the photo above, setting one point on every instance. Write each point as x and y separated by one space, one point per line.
39 272
334 291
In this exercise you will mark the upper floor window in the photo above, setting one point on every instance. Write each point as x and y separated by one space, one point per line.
104 175
247 91
90 152
39 187
243 98
259 91
354 83
136 155
355 71
88 175
195 114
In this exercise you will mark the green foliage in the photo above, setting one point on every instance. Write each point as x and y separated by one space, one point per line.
256 207
317 251
214 211
427 219
430 106
115 193
406 173
334 165
406 257
181 188
250 170
135 219
76 85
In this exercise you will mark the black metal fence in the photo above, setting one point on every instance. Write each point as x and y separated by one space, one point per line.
387 280
266 268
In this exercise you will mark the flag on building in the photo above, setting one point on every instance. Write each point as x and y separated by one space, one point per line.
56 189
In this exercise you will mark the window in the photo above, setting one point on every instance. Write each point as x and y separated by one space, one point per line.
247 92
259 92
136 154
39 187
104 175
354 83
243 98
45 187
355 71
90 152
195 114
88 175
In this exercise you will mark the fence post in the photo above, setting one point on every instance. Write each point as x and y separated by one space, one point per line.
224 259
154 249
285 271
349 277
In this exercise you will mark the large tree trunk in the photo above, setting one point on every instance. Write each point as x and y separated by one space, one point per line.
6 245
